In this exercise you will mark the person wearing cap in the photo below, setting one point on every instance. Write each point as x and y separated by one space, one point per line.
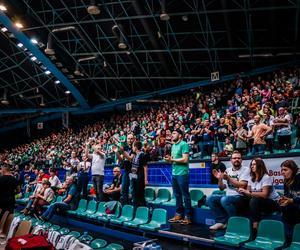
180 178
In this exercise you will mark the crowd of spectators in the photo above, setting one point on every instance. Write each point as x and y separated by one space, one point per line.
250 115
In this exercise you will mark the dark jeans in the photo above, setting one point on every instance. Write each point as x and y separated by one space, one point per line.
259 205
52 209
291 213
98 186
258 149
224 207
180 185
83 180
114 196
206 148
138 192
270 144
125 188
284 142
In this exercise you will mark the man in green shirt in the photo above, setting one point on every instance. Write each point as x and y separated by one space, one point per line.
180 177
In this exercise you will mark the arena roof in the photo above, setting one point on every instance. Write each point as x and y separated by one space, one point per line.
75 54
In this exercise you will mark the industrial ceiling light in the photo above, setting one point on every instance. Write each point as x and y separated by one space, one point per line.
42 104
93 9
4 99
119 34
19 25
47 72
33 58
20 45
3 8
67 92
49 51
57 82
4 29
164 15
34 41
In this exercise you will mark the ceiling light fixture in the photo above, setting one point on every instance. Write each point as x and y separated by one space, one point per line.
20 45
47 72
33 58
34 41
3 8
19 25
4 99
42 104
57 81
67 92
119 34
164 15
93 9
4 29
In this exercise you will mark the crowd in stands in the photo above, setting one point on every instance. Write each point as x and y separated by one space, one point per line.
219 119
244 117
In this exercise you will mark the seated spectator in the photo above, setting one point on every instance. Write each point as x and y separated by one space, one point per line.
260 191
54 180
114 191
42 197
290 201
69 201
223 207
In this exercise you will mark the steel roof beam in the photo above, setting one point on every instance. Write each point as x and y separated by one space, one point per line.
188 13
42 58
38 110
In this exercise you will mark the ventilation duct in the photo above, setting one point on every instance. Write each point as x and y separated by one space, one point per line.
77 72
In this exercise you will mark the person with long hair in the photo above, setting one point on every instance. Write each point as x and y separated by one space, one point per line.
260 191
290 201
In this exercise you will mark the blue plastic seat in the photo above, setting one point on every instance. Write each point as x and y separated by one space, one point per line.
163 195
295 245
80 209
100 211
91 209
126 215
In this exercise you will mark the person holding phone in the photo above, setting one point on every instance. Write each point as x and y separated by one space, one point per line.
290 201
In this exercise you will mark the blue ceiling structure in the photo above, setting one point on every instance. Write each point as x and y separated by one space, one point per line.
89 56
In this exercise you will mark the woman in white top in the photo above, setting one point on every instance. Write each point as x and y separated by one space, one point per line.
54 180
260 191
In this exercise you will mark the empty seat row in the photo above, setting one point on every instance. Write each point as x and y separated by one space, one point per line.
94 243
164 197
124 216
270 235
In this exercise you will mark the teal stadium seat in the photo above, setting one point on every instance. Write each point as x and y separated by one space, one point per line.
108 217
219 192
100 211
196 195
64 231
91 209
75 234
113 246
159 218
80 209
238 231
170 203
163 195
270 235
25 199
46 225
126 215
54 227
98 243
149 194
295 245
141 217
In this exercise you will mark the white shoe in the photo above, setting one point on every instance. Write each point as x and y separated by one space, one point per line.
218 226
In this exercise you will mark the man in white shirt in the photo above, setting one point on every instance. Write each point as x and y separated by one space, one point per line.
235 177
98 162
